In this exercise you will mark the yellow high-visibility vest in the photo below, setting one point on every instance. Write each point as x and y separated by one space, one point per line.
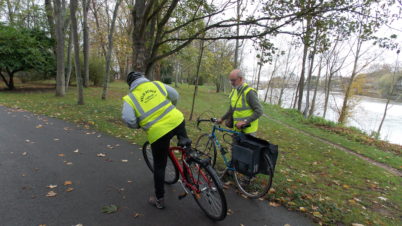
242 110
155 112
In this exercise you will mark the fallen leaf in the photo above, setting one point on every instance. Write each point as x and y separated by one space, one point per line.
303 209
78 225
382 198
76 151
51 186
129 181
271 191
351 201
27 141
56 139
51 194
68 182
230 212
69 189
109 146
109 209
346 186
39 126
61 155
69 163
357 224
124 160
286 225
135 215
24 153
317 214
101 155
274 204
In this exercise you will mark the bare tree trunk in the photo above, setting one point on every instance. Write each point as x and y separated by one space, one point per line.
50 20
237 47
285 76
73 9
139 18
98 29
258 75
59 8
310 72
312 108
295 96
345 108
270 80
109 51
85 7
69 61
306 41
389 95
197 77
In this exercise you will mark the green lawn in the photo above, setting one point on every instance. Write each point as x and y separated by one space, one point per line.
313 177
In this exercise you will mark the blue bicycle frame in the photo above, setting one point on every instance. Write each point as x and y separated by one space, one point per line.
219 146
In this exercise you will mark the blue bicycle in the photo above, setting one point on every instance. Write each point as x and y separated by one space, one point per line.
254 186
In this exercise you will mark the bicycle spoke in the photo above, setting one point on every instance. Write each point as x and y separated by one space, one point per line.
210 197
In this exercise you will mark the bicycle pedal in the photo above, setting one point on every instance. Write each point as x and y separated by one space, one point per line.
182 196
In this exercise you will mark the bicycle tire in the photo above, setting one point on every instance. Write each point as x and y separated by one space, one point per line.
256 186
206 145
211 195
171 172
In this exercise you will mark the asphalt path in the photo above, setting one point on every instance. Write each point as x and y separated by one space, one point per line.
93 170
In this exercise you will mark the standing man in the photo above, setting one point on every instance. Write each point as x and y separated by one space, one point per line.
244 104
150 105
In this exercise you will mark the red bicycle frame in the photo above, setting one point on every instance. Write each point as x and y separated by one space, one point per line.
180 167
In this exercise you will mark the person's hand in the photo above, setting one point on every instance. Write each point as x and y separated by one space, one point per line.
240 124
219 121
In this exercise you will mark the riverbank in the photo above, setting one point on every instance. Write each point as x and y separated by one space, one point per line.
366 112
313 177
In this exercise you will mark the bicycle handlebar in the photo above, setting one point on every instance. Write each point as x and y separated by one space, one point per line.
214 120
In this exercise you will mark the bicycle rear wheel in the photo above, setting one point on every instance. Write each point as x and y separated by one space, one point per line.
256 186
171 172
210 197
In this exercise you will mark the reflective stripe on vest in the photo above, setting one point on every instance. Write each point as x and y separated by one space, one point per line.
155 113
242 110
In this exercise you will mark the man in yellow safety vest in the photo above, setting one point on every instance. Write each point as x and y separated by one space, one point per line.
150 105
244 107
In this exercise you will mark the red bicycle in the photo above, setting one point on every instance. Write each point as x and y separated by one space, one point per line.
196 177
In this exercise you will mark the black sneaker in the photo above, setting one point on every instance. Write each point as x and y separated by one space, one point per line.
158 203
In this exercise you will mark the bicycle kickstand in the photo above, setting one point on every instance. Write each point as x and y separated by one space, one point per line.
184 194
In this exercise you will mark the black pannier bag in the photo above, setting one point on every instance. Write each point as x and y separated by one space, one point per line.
248 155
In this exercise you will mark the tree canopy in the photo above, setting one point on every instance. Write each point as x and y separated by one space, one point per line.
23 49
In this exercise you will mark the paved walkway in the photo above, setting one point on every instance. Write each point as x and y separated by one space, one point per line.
37 151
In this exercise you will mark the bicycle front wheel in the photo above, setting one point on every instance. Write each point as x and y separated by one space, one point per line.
171 172
206 145
209 197
256 186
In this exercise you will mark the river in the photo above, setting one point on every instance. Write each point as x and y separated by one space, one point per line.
366 115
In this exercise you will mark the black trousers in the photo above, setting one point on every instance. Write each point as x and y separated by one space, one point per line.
160 150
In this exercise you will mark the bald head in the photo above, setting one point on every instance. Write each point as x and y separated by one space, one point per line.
236 77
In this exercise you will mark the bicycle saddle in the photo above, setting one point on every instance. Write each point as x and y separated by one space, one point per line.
184 142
